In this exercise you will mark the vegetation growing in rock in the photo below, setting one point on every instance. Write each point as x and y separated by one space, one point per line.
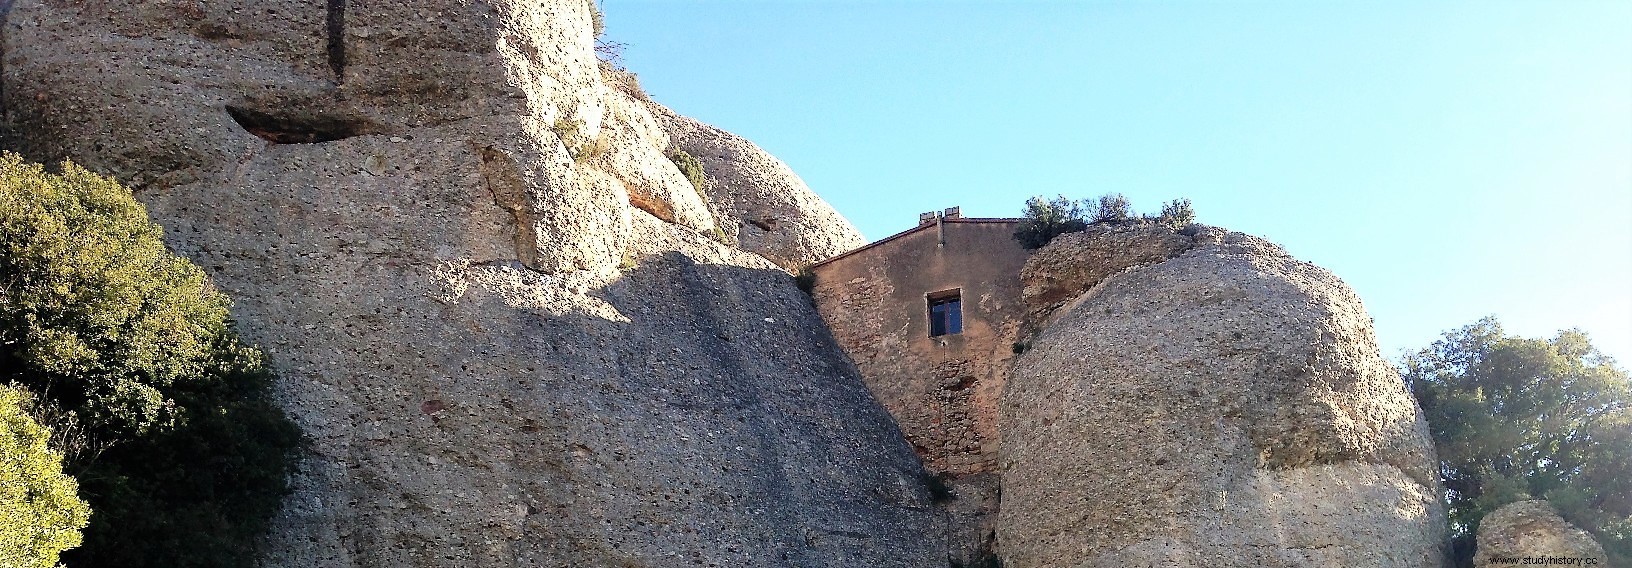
597 20
566 129
180 451
690 167
41 513
610 54
1177 214
1112 207
1044 219
578 144
623 80
1517 418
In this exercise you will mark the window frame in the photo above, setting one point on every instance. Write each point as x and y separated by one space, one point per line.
950 321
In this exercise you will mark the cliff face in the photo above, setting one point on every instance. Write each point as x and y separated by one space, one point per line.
1226 406
499 311
518 336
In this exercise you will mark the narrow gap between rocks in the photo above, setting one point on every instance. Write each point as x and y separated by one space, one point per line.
336 27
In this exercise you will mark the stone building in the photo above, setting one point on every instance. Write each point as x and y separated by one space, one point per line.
930 316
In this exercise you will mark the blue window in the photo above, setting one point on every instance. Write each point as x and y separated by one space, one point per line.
945 313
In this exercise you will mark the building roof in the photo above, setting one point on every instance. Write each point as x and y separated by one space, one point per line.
920 227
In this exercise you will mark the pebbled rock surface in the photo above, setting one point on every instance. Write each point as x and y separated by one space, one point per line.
761 204
500 359
1074 262
1226 407
1533 530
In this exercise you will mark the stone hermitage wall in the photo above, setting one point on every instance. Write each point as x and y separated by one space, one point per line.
943 391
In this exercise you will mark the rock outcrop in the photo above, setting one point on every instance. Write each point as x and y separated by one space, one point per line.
1225 407
498 310
1074 262
1526 532
763 207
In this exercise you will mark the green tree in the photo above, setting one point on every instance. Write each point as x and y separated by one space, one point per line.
1516 418
135 349
40 510
1112 207
1044 219
1177 214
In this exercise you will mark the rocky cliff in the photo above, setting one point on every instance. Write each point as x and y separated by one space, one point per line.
500 312
1203 399
518 335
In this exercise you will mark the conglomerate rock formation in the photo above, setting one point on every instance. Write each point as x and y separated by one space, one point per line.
518 336
499 310
1532 533
762 206
1225 407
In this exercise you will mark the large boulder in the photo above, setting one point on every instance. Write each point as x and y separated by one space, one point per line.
761 204
1225 407
1527 532
1073 262
423 212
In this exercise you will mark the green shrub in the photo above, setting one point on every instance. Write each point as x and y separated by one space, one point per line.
136 349
1177 214
1045 219
1112 207
40 509
690 167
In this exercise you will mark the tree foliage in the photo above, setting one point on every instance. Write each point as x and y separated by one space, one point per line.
1515 418
40 510
1044 219
134 349
1112 207
1177 214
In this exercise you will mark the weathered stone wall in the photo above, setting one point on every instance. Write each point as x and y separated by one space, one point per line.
423 211
943 391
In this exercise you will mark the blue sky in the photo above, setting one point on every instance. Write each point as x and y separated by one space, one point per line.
1448 160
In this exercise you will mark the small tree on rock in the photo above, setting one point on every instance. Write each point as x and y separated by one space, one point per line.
1113 207
1045 219
1177 214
